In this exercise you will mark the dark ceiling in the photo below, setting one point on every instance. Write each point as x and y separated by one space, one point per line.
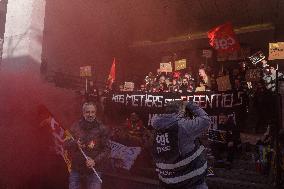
157 20
83 32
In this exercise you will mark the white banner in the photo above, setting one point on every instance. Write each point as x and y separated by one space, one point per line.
126 154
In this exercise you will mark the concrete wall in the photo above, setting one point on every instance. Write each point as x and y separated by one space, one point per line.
23 29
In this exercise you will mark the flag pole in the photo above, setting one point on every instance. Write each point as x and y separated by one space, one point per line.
86 157
86 85
83 153
96 173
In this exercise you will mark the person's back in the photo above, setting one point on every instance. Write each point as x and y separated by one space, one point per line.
178 154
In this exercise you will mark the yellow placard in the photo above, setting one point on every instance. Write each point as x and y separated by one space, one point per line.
86 71
276 51
198 89
180 64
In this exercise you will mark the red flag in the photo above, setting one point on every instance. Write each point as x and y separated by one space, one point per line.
58 133
223 38
111 76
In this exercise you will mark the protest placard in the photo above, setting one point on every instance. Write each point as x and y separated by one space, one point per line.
180 64
276 51
126 154
257 57
128 86
166 67
86 71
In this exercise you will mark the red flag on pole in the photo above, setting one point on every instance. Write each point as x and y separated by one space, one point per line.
58 133
111 76
223 38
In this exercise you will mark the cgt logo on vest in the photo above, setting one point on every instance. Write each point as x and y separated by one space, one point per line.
163 143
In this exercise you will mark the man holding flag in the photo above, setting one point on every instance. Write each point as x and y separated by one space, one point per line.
91 138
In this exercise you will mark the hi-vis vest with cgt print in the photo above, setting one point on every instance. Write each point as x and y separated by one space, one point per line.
174 170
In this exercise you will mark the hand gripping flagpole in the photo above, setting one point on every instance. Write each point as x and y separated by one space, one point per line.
68 135
86 157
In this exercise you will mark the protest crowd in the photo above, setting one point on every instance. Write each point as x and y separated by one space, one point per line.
257 82
133 94
231 100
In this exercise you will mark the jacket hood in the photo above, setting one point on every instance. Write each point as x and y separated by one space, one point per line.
160 122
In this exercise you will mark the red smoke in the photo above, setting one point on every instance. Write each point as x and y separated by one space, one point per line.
22 144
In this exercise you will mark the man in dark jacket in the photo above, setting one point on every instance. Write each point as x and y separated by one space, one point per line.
91 136
179 156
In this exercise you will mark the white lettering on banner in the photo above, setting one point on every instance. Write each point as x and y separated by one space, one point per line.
200 100
218 100
135 100
183 97
127 154
240 99
227 100
154 101
224 43
210 100
190 98
118 98
196 99
171 99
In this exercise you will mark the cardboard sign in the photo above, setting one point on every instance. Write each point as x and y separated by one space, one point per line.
207 53
253 75
180 64
86 71
257 57
128 86
124 153
166 67
276 51
224 83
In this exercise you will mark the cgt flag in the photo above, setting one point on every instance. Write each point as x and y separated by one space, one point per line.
59 134
223 38
111 76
